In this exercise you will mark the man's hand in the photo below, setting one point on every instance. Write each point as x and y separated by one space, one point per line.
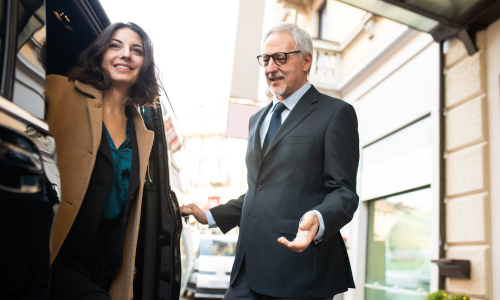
198 213
305 235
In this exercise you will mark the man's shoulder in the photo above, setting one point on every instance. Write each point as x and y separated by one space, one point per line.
330 102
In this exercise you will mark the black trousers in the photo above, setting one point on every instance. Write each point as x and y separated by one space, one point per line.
240 290
68 282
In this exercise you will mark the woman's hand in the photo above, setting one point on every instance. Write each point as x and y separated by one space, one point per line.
195 211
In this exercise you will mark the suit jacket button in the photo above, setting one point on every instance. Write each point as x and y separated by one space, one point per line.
259 188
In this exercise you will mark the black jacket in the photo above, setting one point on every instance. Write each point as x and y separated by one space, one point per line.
310 164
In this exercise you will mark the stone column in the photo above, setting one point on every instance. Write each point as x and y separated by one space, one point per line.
467 163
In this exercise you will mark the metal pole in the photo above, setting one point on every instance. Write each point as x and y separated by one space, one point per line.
442 171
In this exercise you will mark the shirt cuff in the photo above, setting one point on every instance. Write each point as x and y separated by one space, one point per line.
321 230
210 219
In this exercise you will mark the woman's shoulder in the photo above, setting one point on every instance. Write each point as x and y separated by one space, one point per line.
58 86
58 81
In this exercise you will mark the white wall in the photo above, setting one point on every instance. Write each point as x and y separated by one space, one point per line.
245 79
385 101
403 96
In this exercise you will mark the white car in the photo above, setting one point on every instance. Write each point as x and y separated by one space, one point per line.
212 268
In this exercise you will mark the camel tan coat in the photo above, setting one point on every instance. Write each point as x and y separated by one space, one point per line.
74 115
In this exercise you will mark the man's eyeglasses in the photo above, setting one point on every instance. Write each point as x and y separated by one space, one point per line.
279 58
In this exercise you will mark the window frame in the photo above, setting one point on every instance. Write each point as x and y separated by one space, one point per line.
9 49
367 236
321 20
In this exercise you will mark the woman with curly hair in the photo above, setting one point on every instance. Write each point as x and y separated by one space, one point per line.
103 151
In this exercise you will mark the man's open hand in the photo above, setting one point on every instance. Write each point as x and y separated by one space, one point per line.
305 235
195 211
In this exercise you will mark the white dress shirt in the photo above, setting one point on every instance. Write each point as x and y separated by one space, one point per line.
290 103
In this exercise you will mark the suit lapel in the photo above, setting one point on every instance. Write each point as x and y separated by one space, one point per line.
261 115
296 116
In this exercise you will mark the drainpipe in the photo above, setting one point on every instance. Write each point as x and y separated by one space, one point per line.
442 171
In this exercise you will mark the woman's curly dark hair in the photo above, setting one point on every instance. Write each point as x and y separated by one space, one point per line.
88 68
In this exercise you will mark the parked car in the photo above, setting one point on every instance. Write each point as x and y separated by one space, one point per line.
212 267
38 38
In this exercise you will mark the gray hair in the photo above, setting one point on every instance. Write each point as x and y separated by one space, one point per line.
303 41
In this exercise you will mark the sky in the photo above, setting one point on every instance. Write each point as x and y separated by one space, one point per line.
193 41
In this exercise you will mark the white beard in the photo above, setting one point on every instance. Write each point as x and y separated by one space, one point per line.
280 92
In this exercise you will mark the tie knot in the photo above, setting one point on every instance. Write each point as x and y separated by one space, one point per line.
279 107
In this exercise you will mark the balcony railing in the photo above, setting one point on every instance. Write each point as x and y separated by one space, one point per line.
325 70
302 6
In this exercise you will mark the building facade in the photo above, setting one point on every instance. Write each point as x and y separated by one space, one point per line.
216 162
427 169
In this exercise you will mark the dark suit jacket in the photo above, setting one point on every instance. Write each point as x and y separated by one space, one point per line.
310 164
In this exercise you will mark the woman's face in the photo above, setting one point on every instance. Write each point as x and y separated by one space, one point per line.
124 57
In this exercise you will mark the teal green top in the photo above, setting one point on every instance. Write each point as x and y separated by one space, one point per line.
122 167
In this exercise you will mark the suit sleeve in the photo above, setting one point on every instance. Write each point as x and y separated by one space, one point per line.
227 216
341 167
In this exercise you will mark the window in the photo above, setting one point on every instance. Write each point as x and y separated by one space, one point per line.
323 21
29 83
398 162
399 246
24 58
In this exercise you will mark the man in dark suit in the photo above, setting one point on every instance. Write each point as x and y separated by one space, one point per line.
302 160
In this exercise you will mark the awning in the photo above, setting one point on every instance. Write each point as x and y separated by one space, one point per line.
440 18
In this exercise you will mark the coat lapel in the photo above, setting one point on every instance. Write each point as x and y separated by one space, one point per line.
69 208
94 109
134 175
104 145
144 142
297 115
261 115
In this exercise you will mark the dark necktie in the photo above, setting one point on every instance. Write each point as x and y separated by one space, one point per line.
274 126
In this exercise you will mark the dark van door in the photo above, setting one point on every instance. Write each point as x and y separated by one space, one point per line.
29 177
158 257
38 38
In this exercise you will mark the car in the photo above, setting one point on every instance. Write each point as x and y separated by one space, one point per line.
40 38
212 268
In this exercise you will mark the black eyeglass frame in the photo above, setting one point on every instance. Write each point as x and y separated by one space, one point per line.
272 56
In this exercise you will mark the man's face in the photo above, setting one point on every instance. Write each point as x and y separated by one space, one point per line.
286 79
